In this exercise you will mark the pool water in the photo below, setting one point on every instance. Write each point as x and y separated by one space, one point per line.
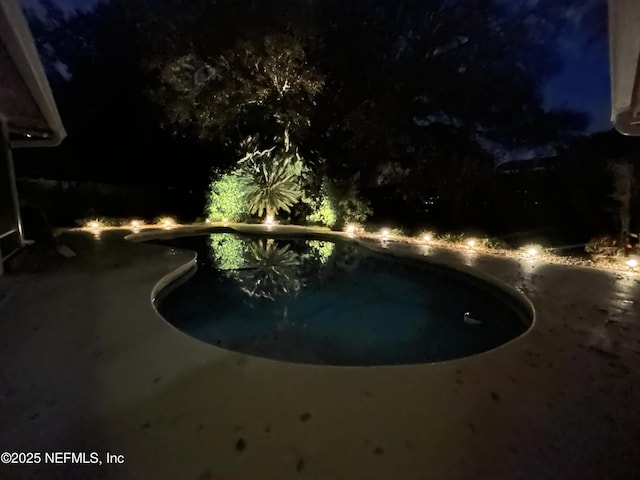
319 302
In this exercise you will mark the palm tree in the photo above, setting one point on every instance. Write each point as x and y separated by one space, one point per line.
272 182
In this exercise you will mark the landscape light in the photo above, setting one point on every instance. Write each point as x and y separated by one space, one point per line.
471 243
427 237
225 221
136 223
269 221
93 224
351 229
531 250
385 232
633 263
167 222
207 221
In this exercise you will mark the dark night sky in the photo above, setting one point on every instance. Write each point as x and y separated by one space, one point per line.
583 84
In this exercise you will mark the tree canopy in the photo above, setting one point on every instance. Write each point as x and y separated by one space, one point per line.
407 97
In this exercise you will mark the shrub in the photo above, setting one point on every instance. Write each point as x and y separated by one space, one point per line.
226 199
350 206
451 237
323 208
603 245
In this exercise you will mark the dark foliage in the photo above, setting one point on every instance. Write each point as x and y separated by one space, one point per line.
411 98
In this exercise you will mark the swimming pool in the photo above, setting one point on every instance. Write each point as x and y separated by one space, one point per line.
320 302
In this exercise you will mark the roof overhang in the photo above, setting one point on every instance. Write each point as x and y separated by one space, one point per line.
26 102
624 47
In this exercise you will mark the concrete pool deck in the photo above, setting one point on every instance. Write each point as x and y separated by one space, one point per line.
89 366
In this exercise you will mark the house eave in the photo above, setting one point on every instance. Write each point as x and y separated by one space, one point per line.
26 101
624 47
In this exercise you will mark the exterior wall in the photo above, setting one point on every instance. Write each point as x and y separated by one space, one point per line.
10 225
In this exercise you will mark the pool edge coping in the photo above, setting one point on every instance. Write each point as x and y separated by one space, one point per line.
305 232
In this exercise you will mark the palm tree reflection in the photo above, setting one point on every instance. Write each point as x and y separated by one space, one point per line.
269 271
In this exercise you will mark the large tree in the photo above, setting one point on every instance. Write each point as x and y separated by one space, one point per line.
406 95
406 77
263 86
96 61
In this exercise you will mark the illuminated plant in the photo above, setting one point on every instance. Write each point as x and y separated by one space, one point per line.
225 201
271 181
338 204
496 244
166 222
216 93
324 210
451 238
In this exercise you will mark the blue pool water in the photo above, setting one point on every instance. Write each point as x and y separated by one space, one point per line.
311 301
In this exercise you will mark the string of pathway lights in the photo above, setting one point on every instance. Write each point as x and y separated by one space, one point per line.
386 235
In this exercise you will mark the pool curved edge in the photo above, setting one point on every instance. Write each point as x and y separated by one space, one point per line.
495 282
390 249
514 293
171 277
